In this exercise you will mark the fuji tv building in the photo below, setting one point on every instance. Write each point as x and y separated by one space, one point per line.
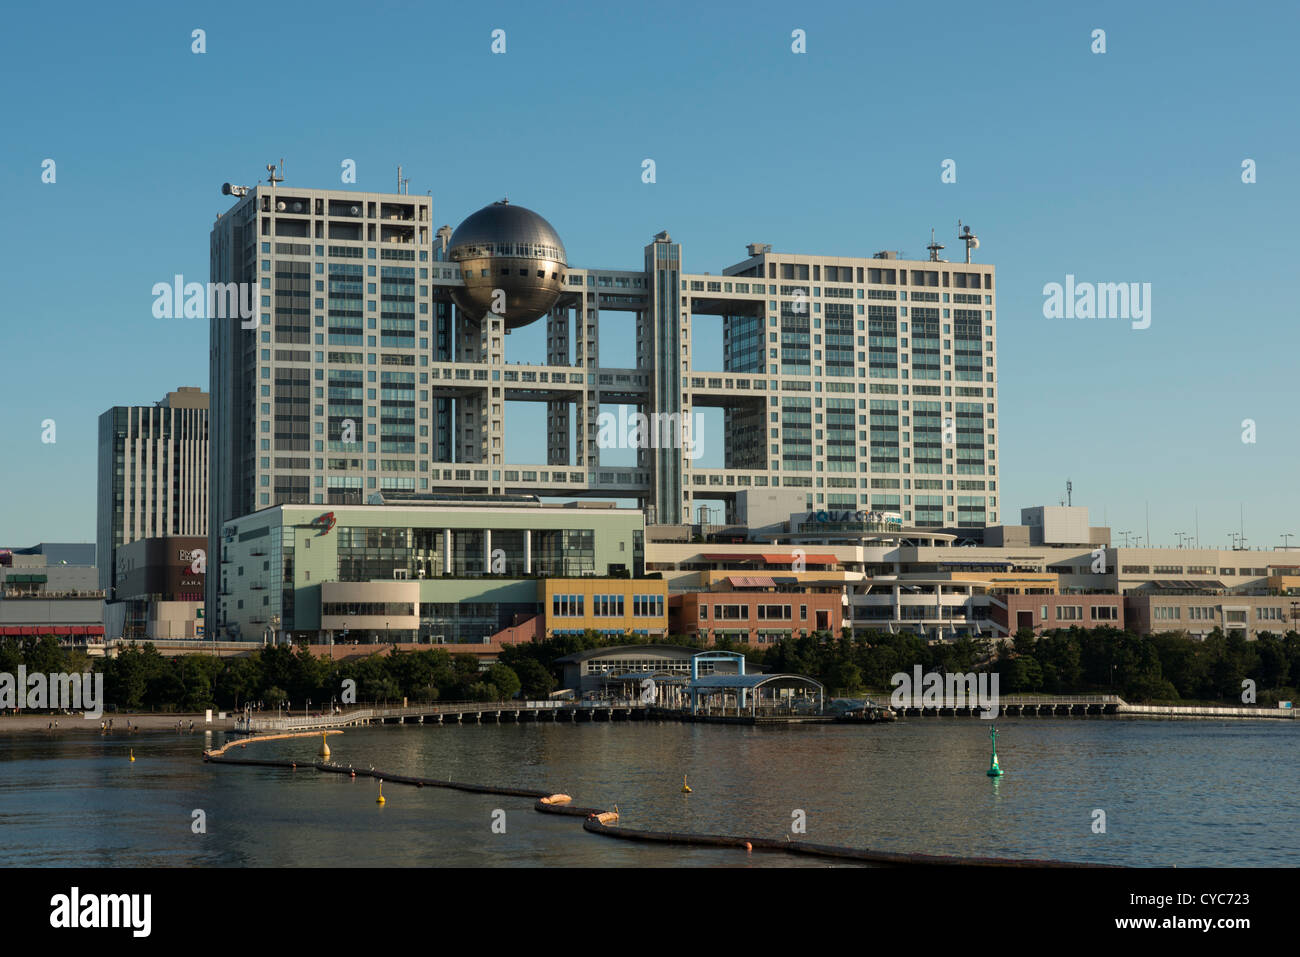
866 384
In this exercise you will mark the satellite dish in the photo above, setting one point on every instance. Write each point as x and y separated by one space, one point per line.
297 207
356 210
280 206
974 242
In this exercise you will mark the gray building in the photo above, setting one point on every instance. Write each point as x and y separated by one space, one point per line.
375 362
51 589
153 475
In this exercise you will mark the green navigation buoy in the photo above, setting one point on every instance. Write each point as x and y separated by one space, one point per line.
994 770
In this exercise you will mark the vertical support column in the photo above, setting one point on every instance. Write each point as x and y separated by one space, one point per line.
671 353
446 551
494 431
487 551
557 412
528 551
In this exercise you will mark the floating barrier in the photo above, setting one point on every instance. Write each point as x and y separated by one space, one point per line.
600 821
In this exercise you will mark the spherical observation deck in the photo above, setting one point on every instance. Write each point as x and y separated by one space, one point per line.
512 263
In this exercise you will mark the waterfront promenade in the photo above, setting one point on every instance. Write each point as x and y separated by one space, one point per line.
626 709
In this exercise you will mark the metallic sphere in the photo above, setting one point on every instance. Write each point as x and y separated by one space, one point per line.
512 262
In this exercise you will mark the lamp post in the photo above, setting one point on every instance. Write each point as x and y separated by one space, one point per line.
1286 536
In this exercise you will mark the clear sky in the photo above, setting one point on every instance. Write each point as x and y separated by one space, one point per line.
1122 166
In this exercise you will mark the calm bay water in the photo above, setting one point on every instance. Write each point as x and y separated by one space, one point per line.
1184 793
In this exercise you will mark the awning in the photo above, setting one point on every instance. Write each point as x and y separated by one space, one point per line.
774 559
750 581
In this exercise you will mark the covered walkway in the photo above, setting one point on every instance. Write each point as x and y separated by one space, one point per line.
756 695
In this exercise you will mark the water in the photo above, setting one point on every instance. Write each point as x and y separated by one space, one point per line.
1185 793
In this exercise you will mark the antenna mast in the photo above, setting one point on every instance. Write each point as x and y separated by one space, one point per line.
934 248
970 239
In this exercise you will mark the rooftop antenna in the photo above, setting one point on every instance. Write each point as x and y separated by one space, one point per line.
970 239
272 178
1069 492
402 184
934 248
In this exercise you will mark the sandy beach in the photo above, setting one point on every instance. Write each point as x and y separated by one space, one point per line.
32 723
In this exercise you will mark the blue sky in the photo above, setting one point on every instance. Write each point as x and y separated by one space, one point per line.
1115 167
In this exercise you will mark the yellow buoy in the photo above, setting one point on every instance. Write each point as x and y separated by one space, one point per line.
381 794
324 747
133 754
686 788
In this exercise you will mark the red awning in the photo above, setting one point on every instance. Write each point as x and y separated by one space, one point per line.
773 559
750 581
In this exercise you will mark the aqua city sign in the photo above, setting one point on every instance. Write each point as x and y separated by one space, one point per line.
861 517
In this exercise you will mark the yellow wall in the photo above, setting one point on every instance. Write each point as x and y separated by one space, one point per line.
1013 583
1286 584
547 588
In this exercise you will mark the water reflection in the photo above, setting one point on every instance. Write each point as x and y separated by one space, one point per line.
1174 793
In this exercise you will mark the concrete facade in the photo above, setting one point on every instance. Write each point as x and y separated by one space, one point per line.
152 475
41 593
413 572
860 382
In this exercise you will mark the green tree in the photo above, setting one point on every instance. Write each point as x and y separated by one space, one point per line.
535 681
505 680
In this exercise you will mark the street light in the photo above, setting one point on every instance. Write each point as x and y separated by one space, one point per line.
1285 537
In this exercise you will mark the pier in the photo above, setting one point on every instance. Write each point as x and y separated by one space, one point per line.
629 709
479 712
1101 705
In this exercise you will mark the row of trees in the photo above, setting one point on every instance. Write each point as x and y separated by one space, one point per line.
1160 667
140 678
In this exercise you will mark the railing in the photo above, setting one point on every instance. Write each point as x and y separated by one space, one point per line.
288 723
1017 699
